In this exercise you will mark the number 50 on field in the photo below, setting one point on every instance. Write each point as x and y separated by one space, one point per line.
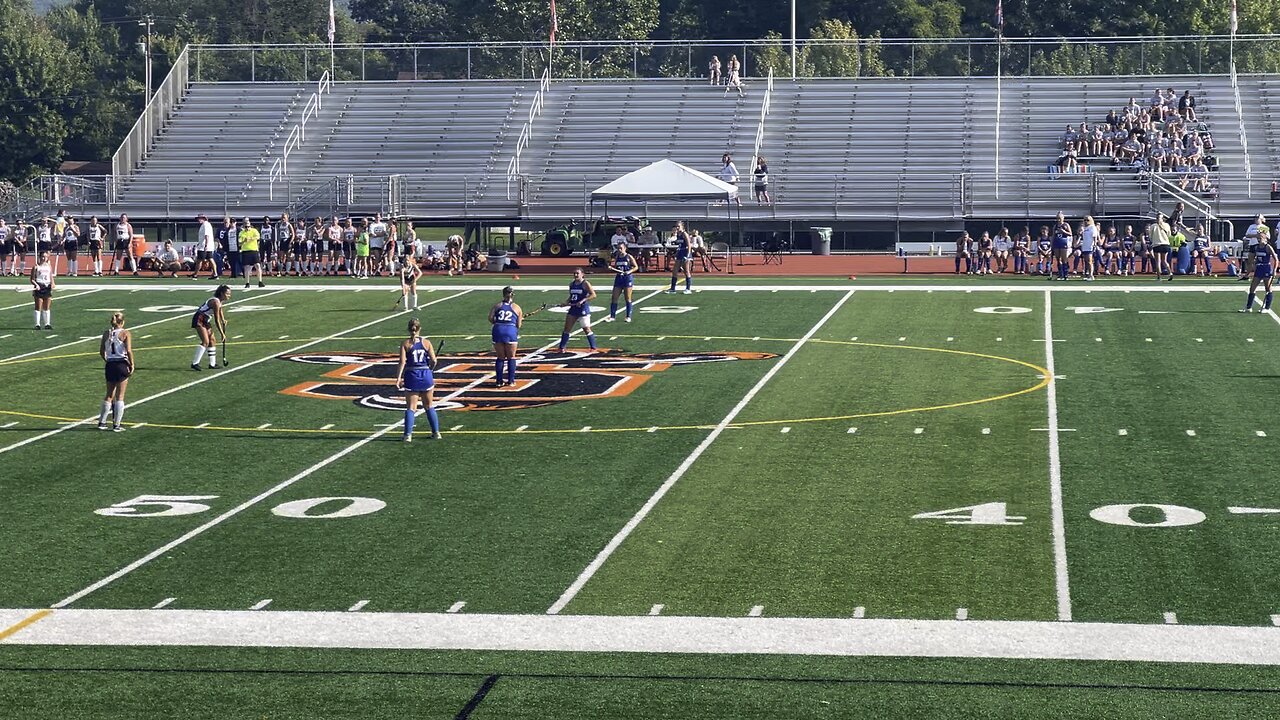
175 505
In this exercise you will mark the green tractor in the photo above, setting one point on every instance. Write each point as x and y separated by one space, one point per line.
562 241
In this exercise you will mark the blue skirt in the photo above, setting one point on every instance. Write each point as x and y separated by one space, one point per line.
505 334
418 380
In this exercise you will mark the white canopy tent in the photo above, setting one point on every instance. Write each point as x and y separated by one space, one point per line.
667 180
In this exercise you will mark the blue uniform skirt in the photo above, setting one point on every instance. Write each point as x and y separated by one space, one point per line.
505 333
418 380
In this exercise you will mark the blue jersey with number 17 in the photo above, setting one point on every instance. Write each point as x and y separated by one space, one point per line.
417 358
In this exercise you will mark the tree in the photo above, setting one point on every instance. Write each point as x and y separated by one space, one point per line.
36 96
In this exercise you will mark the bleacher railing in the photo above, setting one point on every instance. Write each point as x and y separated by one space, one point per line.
864 57
298 135
142 136
764 114
1244 136
526 132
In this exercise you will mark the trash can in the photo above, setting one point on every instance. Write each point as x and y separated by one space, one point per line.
497 263
821 240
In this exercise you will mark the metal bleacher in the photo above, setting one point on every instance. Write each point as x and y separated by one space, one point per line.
877 149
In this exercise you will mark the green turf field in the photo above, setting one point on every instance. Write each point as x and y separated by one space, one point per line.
1034 499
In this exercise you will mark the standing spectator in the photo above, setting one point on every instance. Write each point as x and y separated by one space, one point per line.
761 174
1161 241
205 246
734 80
713 70
1187 106
1062 239
1251 239
1175 217
1088 243
729 174
249 241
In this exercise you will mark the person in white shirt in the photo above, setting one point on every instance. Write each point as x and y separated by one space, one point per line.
168 260
1250 239
619 237
377 243
733 80
42 287
729 173
1088 241
205 245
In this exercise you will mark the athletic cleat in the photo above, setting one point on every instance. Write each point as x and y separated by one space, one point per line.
261 285
117 428
37 327
195 366
102 426
688 291
48 327
610 319
670 292
436 436
408 438
627 320
246 286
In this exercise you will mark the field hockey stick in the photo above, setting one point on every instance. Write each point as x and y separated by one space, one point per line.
439 349
225 360
531 313
398 300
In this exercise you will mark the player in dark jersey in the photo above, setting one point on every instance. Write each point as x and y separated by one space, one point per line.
962 253
414 377
116 350
123 247
624 282
1022 251
579 303
97 238
506 319
984 252
6 247
409 274
207 317
1044 252
1264 269
1201 250
71 246
683 260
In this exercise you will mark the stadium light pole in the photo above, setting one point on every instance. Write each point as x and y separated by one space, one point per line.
145 47
793 39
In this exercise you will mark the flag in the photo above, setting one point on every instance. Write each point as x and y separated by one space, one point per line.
1235 17
333 26
1000 16
555 25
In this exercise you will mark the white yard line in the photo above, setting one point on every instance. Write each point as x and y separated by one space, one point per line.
174 316
1061 579
28 304
640 515
169 546
1150 642
713 287
206 377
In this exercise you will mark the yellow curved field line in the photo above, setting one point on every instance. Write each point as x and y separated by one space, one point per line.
1043 373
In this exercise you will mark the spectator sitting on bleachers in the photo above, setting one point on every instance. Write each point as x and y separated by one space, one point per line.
1067 161
1069 137
1113 120
1187 106
1156 105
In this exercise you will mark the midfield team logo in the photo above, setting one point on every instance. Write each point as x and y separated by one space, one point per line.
368 379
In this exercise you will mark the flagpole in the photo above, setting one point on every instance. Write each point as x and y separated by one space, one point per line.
333 28
999 83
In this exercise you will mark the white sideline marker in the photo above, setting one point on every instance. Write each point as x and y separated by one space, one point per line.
455 428
469 337
612 338
664 337
652 430
852 431
192 337
902 339
1097 339
1275 620
144 337
2 337
9 424
1260 433
657 609
859 612
522 428
1200 340
264 426
50 337
163 603
1148 339
327 427
986 431
358 606
853 339
999 339
962 613
598 561
585 428
786 429
758 337
919 431
261 604
950 339
283 337
756 610
1246 339
1170 618
1191 433
235 337
1122 431
456 607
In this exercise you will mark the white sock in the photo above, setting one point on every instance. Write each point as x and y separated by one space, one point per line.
213 356
106 408
199 355
48 317
414 299
37 318
117 409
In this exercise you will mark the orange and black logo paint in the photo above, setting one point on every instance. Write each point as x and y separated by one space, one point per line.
368 379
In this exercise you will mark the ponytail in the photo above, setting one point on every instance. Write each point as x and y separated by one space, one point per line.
117 320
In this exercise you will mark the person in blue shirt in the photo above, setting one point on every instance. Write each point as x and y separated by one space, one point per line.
622 263
579 303
683 261
414 377
1264 269
506 319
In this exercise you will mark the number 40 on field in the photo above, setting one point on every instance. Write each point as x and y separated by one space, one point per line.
1141 515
